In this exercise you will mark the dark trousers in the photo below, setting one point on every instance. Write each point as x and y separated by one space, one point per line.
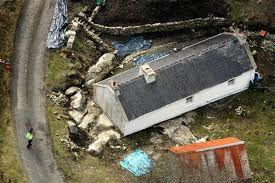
29 146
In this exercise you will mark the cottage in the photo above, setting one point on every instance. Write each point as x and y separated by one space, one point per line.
183 81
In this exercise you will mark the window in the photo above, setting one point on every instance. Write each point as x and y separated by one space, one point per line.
189 99
231 81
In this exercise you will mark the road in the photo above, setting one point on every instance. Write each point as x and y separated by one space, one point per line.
28 96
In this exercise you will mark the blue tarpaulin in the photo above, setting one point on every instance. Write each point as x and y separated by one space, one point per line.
148 58
138 163
132 45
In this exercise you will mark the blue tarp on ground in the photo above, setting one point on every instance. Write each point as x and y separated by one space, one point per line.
132 45
56 35
138 163
148 58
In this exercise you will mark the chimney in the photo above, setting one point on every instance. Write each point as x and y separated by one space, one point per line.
148 73
114 87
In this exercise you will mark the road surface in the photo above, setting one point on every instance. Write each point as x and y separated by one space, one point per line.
28 97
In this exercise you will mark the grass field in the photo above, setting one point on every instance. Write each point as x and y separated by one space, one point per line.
257 128
10 169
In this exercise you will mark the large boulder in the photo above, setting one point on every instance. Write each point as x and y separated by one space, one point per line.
72 127
77 100
92 108
77 116
87 121
98 71
71 91
103 138
104 122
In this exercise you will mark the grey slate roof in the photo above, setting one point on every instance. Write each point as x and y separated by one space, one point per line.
197 67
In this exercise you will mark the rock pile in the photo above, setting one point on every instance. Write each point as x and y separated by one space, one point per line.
156 27
58 98
88 126
98 71
178 132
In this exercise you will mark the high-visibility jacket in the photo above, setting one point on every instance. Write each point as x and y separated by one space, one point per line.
29 136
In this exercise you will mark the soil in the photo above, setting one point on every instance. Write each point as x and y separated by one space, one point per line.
133 12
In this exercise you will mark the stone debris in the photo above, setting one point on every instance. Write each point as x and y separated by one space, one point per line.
72 90
92 108
70 42
156 139
189 117
183 135
98 71
77 101
72 127
268 45
70 33
87 121
204 139
58 98
240 111
178 132
75 26
156 27
102 139
104 122
77 116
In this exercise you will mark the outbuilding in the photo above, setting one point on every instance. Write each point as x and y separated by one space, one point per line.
183 81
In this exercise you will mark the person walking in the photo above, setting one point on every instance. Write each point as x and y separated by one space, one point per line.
29 137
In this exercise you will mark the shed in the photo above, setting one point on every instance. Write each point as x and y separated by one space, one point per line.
183 81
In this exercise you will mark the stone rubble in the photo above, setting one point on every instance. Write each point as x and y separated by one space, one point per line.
72 127
92 108
98 71
72 90
104 122
176 131
156 27
88 120
58 98
77 101
77 116
102 140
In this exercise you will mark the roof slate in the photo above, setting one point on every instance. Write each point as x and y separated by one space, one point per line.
184 73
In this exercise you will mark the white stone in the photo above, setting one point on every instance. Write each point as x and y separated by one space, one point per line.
77 100
70 33
87 120
72 127
72 90
93 108
104 122
75 26
103 139
183 136
70 42
105 60
77 116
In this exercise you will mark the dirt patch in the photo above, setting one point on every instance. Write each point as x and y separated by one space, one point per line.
133 12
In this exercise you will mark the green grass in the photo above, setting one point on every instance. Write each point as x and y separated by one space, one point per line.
249 11
57 67
257 129
10 169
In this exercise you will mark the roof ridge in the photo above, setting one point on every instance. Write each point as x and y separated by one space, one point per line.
181 60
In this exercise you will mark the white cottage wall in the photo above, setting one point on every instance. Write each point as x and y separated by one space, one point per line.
177 108
106 99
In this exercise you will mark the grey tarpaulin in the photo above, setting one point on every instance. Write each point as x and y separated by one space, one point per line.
59 22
